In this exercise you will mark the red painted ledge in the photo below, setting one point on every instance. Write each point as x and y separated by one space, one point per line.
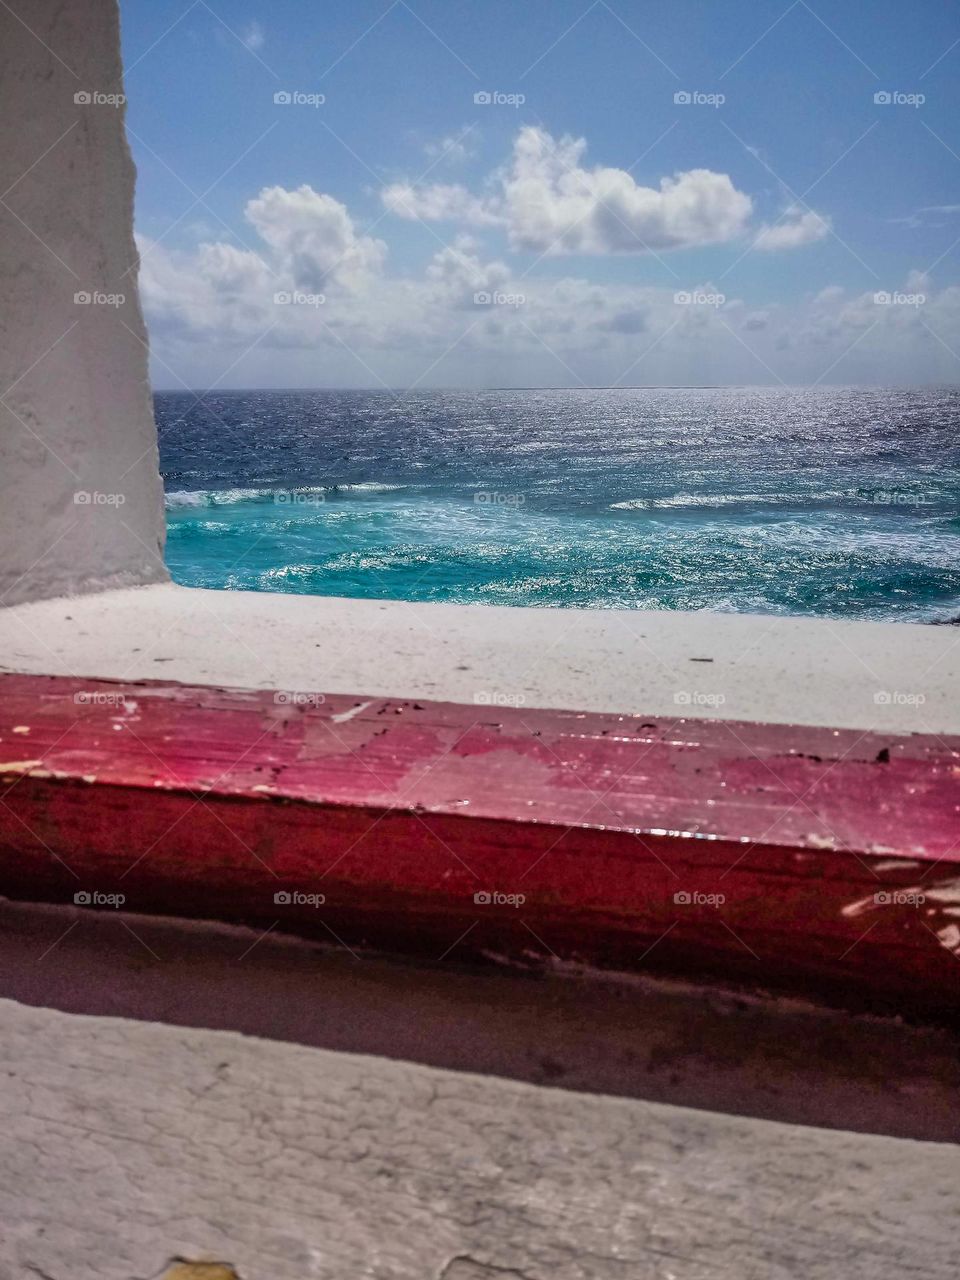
795 859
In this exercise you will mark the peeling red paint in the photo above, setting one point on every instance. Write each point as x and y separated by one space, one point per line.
207 802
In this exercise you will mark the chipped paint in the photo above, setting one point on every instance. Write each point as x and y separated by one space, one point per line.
821 842
21 728
505 799
343 716
942 891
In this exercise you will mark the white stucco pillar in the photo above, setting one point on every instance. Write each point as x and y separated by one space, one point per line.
81 504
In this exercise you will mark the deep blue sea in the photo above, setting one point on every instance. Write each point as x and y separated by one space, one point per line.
835 502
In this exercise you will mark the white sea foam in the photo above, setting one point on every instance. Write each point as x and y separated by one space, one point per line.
706 500
229 497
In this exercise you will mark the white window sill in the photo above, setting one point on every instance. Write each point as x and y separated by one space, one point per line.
779 670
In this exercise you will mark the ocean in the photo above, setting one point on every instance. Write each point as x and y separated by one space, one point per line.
835 502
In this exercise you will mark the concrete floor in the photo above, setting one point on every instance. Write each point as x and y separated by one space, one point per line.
128 1147
859 675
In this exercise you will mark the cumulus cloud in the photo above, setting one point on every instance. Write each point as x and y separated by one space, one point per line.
797 227
556 205
440 202
468 318
549 202
314 238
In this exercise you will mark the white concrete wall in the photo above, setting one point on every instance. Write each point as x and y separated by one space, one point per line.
75 410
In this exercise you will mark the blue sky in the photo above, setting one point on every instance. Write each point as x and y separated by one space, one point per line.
795 200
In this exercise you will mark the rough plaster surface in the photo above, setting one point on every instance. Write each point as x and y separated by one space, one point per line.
75 408
127 1149
860 675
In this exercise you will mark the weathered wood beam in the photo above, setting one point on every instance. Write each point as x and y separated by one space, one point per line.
796 859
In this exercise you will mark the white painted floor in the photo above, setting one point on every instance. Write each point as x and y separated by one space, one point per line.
894 677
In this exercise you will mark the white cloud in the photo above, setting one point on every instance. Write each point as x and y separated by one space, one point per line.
253 36
314 238
440 202
453 150
550 203
556 205
207 305
797 227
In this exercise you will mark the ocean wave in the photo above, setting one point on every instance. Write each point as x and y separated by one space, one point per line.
874 497
229 497
700 500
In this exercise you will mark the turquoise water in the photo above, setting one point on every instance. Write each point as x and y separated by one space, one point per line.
836 502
